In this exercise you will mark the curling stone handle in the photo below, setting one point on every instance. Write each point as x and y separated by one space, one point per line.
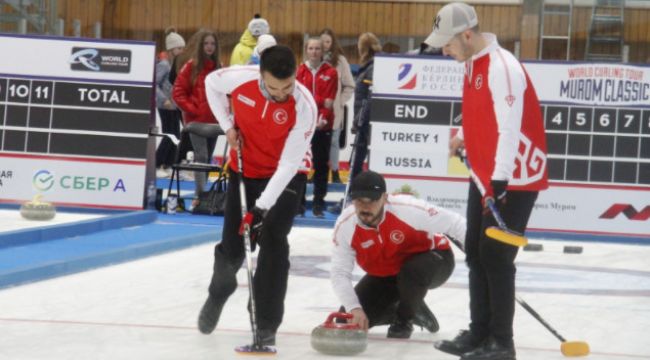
338 315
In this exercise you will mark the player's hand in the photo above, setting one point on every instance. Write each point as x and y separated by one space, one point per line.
497 192
232 135
359 317
455 144
254 220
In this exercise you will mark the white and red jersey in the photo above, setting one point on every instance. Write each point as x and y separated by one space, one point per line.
502 122
322 82
275 135
409 226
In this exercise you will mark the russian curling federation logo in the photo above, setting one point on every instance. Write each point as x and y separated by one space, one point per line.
406 78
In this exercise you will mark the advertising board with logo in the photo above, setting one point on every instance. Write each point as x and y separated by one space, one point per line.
597 120
74 120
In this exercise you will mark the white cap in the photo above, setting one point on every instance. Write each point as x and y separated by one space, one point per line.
173 40
264 42
258 26
452 19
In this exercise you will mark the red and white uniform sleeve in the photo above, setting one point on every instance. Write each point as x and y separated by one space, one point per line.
295 147
219 84
507 83
425 216
343 259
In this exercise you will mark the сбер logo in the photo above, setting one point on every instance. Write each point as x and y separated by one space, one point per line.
43 180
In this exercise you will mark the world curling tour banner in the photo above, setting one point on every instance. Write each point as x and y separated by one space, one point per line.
74 120
597 121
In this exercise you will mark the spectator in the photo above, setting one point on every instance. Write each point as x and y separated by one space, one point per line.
170 116
189 94
368 46
321 79
333 54
243 51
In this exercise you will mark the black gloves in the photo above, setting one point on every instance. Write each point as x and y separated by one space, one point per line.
254 219
497 192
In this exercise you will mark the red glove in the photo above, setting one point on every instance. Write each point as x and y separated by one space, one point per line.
254 220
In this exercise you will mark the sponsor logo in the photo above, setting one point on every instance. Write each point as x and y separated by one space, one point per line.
280 116
510 99
628 210
100 60
248 101
397 237
436 23
407 80
43 180
368 243
5 175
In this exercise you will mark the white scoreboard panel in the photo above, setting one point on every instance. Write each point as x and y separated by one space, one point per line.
74 120
597 119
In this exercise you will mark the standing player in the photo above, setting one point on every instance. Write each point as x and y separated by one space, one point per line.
322 80
504 137
396 240
272 118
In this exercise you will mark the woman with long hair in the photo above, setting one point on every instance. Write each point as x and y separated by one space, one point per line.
368 45
189 94
333 54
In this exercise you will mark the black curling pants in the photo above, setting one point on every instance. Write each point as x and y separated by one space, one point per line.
271 274
491 264
379 296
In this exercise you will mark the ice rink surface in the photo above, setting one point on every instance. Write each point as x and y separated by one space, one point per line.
147 309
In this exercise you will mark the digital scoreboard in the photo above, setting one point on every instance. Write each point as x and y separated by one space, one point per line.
74 120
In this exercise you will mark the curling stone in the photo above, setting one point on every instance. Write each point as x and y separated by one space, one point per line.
339 339
37 210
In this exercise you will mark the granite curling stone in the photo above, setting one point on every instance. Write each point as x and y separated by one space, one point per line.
340 339
37 210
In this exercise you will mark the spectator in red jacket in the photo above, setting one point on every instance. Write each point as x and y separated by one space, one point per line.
189 95
322 81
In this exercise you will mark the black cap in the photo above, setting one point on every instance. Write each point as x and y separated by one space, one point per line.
368 184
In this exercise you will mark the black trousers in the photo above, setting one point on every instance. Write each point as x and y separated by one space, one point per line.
360 151
171 124
320 148
383 297
270 280
491 264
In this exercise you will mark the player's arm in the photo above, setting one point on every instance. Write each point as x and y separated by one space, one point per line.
433 219
342 263
220 84
295 147
507 84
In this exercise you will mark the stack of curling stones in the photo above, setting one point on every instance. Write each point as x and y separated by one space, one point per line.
340 339
566 249
37 210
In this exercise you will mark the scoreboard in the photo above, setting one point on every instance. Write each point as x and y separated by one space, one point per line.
597 121
74 120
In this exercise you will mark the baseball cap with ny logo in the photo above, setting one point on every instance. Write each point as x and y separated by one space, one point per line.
452 19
